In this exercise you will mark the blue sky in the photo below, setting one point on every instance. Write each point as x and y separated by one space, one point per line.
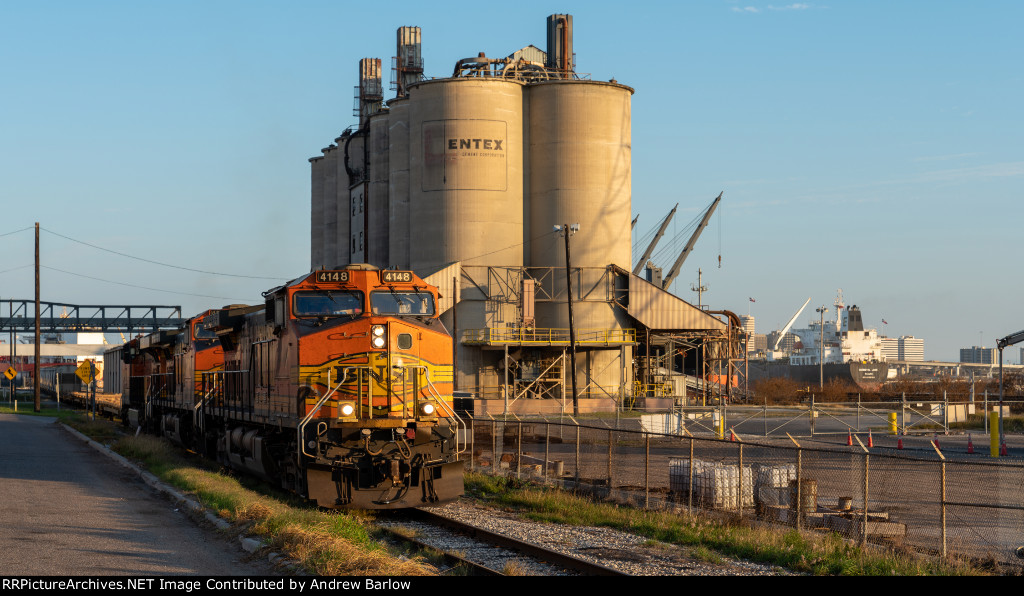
869 146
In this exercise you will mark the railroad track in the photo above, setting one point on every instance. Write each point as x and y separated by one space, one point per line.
483 552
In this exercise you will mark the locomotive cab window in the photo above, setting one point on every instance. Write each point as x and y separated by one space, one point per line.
402 303
327 304
203 333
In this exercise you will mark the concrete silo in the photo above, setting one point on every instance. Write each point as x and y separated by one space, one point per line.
316 213
465 173
378 176
398 184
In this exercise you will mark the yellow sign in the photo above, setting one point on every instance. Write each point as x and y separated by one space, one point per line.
86 371
10 373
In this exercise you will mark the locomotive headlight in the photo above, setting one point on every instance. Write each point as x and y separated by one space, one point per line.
377 340
427 408
346 409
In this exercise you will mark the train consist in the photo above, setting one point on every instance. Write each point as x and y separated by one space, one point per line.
338 387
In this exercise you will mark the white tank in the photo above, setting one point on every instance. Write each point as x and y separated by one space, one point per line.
579 164
355 196
466 173
377 219
329 192
316 215
398 184
339 203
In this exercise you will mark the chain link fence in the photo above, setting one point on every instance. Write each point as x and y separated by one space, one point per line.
946 508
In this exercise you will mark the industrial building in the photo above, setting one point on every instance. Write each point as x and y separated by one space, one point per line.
464 179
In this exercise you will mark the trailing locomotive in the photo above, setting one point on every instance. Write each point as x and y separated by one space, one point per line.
339 387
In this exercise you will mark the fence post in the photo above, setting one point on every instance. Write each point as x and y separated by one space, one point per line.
799 482
864 524
812 414
945 413
609 459
739 499
577 454
858 412
472 433
903 413
495 464
519 450
689 504
547 442
942 499
647 471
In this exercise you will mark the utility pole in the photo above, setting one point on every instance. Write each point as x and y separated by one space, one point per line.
568 230
700 288
35 374
821 347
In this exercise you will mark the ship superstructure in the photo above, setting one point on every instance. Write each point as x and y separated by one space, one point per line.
841 340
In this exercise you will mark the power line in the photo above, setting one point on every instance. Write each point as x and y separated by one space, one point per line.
140 287
16 268
15 231
162 264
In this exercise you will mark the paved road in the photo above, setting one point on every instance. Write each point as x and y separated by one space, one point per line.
67 510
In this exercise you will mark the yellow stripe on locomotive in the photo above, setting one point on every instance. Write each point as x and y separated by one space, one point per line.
396 386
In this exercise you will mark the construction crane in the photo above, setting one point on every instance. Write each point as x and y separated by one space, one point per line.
788 325
1009 340
657 237
689 245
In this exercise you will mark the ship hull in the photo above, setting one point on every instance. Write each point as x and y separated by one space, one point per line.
865 376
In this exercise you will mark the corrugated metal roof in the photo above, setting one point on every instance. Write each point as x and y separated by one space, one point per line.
657 309
446 281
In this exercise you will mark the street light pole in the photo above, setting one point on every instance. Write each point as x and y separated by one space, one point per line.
821 347
568 230
35 374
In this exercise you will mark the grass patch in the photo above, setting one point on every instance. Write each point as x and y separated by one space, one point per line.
323 542
709 540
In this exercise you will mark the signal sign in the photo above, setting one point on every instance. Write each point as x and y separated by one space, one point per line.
86 371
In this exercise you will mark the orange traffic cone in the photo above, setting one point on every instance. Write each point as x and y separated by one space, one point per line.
935 439
970 445
1002 449
849 439
732 435
899 443
871 443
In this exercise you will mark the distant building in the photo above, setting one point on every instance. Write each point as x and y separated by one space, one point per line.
911 348
747 322
787 344
976 355
890 349
759 343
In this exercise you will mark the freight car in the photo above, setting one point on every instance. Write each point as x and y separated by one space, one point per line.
338 387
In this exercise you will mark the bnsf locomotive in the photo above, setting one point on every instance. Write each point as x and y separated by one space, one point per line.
339 387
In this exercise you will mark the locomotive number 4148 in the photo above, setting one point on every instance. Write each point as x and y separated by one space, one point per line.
395 276
332 276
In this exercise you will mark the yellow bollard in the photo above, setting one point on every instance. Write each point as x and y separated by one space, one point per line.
892 423
993 433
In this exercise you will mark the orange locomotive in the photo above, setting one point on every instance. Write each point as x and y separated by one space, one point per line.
339 387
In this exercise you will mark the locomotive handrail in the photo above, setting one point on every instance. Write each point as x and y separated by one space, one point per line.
206 398
459 423
302 425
